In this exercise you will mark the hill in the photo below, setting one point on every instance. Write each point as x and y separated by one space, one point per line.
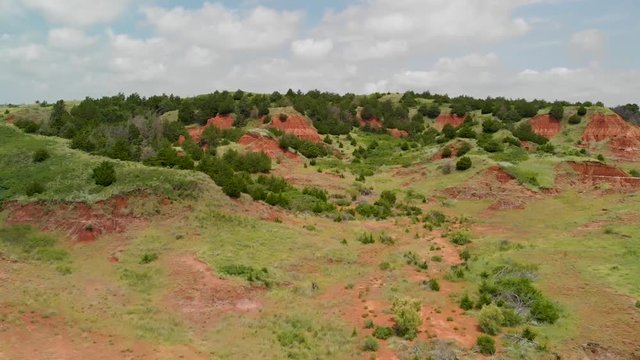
240 225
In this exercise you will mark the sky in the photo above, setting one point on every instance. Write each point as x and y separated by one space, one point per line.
573 50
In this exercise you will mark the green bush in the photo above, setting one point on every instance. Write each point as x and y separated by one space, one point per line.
466 303
148 258
27 126
104 174
433 284
463 163
463 149
490 319
557 111
386 239
435 218
465 255
249 273
382 332
486 345
528 334
366 238
407 318
446 152
510 318
544 310
370 344
34 188
582 111
40 155
368 324
460 238
575 119
634 173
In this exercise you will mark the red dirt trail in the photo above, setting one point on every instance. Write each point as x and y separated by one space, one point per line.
545 125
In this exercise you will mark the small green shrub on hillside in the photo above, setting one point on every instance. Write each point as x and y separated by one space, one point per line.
463 149
634 173
435 218
446 152
528 334
34 188
370 344
449 132
463 163
486 345
148 258
366 238
386 239
582 111
27 126
104 174
407 318
249 273
40 155
600 158
432 284
490 319
460 238
382 332
545 311
575 119
466 303
557 111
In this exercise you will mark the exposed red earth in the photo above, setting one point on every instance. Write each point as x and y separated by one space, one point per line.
222 122
373 123
445 119
398 133
79 221
201 296
10 119
267 145
595 172
494 184
545 125
623 137
296 125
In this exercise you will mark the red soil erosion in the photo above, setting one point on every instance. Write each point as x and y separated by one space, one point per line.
202 297
221 121
445 119
494 184
624 138
267 145
79 221
596 173
398 133
195 133
373 123
545 125
296 125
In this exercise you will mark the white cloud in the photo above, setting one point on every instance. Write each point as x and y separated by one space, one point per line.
31 52
78 12
69 38
311 48
215 26
590 41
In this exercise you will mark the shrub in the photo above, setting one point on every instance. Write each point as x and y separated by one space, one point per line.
600 158
575 119
104 174
40 155
449 131
366 238
34 188
464 148
510 318
557 111
582 111
368 324
486 345
490 319
251 274
463 163
465 255
544 310
283 117
491 146
435 218
466 303
528 334
433 284
27 126
460 238
491 126
407 318
148 258
386 239
370 344
634 173
382 332
446 152
432 111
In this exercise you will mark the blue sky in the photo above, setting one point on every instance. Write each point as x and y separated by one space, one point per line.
553 49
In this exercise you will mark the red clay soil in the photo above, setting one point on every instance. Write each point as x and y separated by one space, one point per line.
623 137
195 132
222 122
10 120
267 145
202 297
79 221
296 125
445 119
373 123
494 184
596 173
545 125
398 133
34 336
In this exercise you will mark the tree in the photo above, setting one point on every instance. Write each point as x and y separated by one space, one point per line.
449 131
186 114
104 174
463 163
491 126
58 118
433 111
582 111
575 119
557 111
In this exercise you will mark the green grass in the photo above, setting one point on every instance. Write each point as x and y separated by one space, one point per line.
66 175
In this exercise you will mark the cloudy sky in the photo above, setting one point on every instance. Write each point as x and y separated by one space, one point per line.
553 49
